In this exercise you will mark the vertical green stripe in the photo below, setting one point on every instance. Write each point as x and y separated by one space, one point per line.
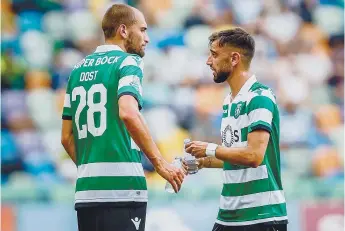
225 111
244 134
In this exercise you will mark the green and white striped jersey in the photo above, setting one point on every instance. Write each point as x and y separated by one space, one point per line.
108 160
251 195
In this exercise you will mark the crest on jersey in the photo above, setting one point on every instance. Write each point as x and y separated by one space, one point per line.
238 110
227 136
136 84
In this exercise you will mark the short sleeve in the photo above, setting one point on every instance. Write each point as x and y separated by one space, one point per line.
130 79
260 110
67 112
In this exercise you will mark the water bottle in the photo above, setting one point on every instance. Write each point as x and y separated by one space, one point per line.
177 162
190 160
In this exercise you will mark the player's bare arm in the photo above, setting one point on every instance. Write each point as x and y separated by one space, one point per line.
211 162
251 156
137 128
205 162
67 139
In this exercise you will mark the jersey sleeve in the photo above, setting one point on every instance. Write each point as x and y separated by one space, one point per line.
131 76
260 111
67 112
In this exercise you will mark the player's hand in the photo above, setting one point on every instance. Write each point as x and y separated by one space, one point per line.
196 148
173 175
200 162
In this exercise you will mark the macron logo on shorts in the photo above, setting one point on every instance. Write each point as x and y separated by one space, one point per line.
136 221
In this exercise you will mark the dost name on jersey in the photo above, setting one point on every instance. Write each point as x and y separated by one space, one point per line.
88 76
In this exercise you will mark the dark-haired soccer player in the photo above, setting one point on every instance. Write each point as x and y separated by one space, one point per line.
252 198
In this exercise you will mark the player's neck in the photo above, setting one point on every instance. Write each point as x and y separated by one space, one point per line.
117 43
236 82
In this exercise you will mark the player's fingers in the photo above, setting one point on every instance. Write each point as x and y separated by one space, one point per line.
184 165
185 170
188 144
181 172
174 185
181 175
178 182
189 149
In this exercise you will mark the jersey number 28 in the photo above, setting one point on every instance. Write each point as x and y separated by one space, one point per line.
87 98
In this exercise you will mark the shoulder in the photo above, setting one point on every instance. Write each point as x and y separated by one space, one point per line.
132 60
260 90
74 71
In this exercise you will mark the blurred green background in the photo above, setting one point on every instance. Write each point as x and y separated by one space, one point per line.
299 54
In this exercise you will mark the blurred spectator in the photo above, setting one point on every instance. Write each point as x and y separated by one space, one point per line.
296 119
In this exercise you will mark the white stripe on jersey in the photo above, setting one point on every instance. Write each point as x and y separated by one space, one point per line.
110 196
244 175
241 122
266 93
67 102
252 200
242 223
110 169
130 61
261 114
128 80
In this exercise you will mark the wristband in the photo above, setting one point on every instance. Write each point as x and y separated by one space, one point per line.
211 149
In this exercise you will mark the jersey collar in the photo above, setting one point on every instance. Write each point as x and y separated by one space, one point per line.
248 84
106 48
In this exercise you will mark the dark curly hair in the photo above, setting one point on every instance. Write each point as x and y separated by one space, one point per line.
237 38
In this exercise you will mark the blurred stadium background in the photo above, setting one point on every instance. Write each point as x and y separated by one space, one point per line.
299 53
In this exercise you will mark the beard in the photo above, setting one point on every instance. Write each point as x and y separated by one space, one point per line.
131 46
221 76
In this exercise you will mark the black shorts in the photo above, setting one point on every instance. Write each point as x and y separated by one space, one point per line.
117 217
256 227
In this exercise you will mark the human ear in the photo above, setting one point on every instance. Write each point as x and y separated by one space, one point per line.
235 58
123 31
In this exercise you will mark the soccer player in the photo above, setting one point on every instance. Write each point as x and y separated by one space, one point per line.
252 197
103 130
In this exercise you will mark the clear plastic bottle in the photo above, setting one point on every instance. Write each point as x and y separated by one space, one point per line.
190 160
177 162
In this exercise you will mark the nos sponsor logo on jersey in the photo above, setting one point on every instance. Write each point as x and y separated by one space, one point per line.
229 136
